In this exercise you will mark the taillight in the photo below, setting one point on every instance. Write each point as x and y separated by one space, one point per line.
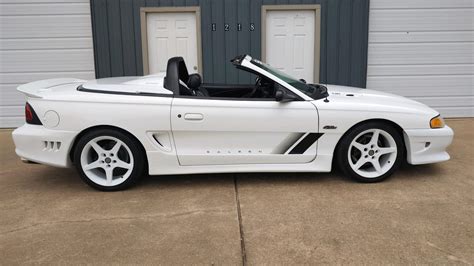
30 115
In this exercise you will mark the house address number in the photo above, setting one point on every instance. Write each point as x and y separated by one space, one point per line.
228 27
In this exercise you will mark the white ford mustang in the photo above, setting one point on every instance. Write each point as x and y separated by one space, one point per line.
114 130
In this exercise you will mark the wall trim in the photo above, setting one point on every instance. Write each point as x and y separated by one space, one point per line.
143 26
317 30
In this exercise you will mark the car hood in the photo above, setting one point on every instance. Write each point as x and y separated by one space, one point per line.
359 99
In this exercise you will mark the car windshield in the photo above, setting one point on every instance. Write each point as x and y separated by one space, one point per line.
299 85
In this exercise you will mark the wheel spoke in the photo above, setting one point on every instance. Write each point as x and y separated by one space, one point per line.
124 165
375 137
359 163
116 147
93 165
97 147
387 150
109 173
358 145
377 166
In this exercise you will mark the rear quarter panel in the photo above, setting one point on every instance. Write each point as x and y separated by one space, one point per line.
82 110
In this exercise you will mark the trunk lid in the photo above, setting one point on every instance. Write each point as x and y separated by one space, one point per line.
38 89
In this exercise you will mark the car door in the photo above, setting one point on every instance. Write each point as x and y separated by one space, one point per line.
253 131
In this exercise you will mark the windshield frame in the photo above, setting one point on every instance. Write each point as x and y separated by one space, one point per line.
245 61
295 83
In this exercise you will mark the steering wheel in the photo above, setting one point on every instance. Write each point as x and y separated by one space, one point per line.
252 93
265 86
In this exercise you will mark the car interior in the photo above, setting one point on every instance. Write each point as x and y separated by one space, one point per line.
190 85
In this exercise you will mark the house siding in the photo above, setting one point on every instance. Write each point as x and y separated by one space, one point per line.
344 31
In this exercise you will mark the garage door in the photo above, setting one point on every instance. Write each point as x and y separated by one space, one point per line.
40 40
424 50
169 35
290 42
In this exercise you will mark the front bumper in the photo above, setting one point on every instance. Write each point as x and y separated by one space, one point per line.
428 145
41 145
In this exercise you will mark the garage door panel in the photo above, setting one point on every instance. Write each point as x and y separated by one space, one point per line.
6 111
45 43
426 53
455 111
41 1
45 26
421 20
416 86
424 50
379 4
25 77
409 70
12 121
421 37
442 101
42 9
65 60
41 39
10 96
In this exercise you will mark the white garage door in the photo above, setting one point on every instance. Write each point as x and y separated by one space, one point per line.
424 50
41 39
169 35
289 44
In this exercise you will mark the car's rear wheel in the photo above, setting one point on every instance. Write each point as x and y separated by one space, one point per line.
370 152
109 160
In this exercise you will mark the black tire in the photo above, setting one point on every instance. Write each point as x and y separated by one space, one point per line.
139 158
344 145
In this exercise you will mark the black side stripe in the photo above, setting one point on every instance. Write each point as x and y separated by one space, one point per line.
305 143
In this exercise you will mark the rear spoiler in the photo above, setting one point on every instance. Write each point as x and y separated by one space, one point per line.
35 89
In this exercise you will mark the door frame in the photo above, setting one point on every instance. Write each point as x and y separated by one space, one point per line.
317 30
143 26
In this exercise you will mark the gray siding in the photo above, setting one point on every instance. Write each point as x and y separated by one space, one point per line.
344 34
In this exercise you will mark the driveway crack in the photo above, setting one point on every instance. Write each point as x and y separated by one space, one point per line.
241 227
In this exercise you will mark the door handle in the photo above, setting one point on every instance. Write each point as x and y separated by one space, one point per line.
193 116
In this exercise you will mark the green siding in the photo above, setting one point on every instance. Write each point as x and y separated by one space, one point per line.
344 36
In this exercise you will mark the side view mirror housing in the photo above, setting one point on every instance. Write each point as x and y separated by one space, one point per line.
281 95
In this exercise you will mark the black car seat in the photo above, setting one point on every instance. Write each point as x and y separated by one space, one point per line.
194 83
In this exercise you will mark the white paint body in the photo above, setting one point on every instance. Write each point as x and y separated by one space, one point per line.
195 135
290 42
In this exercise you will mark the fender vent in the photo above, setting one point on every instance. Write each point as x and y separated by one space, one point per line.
162 140
51 145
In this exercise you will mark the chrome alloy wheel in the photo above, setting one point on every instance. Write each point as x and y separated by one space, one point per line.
372 153
107 161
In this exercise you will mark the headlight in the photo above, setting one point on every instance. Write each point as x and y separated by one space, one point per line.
437 122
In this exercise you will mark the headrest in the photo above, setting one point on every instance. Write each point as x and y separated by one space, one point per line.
194 81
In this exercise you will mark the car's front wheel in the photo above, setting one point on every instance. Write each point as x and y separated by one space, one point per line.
109 160
370 152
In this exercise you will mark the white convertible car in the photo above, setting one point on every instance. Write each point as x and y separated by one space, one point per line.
114 130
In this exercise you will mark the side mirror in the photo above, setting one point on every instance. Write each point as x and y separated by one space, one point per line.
279 95
282 96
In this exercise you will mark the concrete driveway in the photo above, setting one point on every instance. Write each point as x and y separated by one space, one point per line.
422 215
